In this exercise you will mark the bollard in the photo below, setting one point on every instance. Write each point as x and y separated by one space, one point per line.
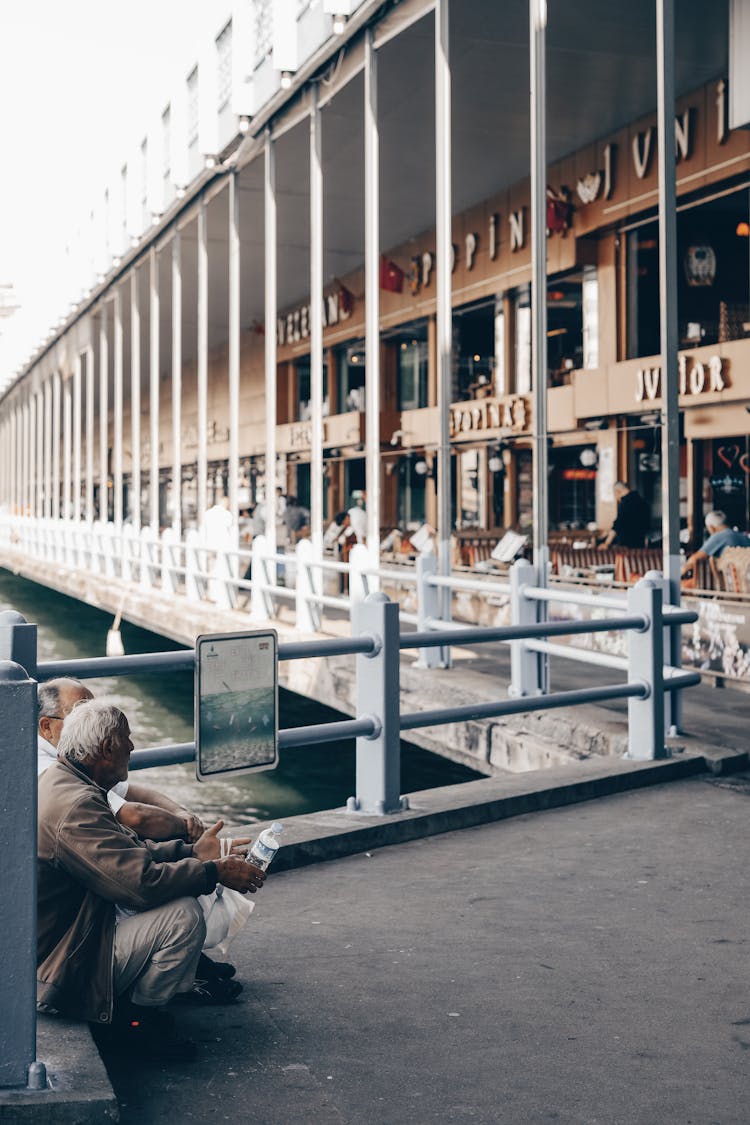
646 665
428 605
524 665
378 757
18 800
18 640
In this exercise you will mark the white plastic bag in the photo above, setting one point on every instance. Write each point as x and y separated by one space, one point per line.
226 912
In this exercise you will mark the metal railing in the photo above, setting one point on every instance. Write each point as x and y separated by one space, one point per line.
378 724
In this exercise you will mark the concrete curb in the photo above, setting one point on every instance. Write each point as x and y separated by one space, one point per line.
79 1091
337 833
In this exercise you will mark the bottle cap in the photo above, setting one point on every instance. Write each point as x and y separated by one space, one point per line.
276 827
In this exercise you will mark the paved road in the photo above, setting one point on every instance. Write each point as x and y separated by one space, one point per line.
583 966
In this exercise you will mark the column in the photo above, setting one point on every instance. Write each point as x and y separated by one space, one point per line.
670 411
67 446
176 385
202 362
443 196
537 27
40 444
270 338
117 420
103 416
234 343
153 277
77 438
47 449
32 454
316 326
135 401
56 401
90 434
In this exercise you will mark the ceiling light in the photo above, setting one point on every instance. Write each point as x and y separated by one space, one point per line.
743 229
244 124
339 23
210 162
286 79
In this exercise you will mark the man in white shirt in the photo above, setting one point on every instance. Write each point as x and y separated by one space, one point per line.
149 813
358 516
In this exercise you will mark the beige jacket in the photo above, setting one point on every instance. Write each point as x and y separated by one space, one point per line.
87 863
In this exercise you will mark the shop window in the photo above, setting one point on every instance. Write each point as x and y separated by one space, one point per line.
572 487
304 410
412 485
350 370
478 346
724 466
572 328
471 492
410 350
713 276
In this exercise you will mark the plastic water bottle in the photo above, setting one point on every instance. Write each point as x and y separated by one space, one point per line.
265 847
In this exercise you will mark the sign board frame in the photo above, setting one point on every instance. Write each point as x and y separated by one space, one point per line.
254 638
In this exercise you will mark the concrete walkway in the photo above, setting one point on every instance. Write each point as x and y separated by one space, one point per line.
583 966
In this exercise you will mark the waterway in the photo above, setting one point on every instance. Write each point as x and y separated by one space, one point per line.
160 711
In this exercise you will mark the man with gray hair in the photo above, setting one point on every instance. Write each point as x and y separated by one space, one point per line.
149 813
120 930
720 536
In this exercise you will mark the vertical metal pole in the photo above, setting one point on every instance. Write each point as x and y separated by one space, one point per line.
103 416
135 401
443 199
153 339
47 449
670 411
67 446
77 375
117 423
270 325
538 115
372 299
378 759
316 328
89 435
26 457
646 665
202 390
56 390
18 799
177 384
538 22
234 346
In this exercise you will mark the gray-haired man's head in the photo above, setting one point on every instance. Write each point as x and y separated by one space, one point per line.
96 736
715 520
56 699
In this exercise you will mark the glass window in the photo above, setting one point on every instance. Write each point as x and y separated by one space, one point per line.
192 107
224 64
713 278
303 389
410 347
471 466
350 371
523 340
572 487
412 481
564 327
263 28
474 351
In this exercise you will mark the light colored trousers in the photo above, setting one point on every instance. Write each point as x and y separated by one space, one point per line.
157 951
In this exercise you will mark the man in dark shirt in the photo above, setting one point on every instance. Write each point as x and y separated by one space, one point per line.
633 517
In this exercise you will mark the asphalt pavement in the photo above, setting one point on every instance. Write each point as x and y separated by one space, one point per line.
583 966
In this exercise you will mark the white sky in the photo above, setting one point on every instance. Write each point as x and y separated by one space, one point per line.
80 81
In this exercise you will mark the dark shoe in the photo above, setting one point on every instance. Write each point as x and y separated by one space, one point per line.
215 990
145 1033
208 968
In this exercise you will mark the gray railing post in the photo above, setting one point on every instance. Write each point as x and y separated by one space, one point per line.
18 640
646 665
671 704
18 799
428 605
524 664
378 757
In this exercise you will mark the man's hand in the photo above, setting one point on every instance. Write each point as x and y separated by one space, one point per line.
208 845
239 875
194 826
